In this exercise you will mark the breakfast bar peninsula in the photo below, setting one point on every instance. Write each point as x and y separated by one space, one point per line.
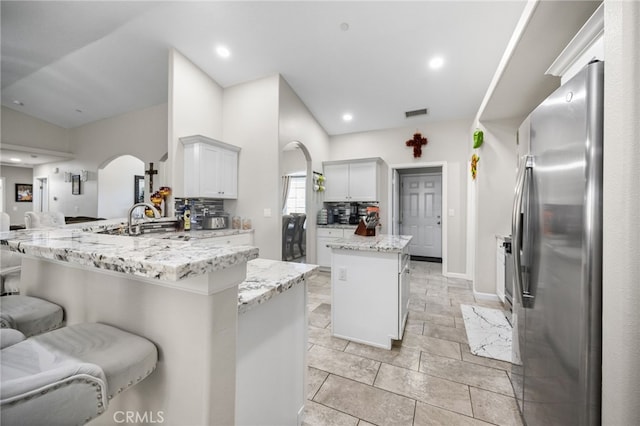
181 295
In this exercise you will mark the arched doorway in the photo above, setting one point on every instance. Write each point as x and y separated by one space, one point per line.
116 185
297 183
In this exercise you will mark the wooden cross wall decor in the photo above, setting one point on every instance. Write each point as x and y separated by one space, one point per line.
417 143
151 172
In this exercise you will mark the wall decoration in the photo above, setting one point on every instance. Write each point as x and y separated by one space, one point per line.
478 138
417 143
138 189
474 166
24 193
75 184
318 182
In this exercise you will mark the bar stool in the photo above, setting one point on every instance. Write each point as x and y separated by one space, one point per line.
30 315
67 376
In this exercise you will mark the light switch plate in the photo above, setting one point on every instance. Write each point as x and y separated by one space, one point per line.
452 212
267 212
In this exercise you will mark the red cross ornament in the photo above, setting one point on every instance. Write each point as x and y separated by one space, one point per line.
417 143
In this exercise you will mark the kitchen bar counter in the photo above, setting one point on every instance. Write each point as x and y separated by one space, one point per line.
181 295
163 260
268 278
272 343
380 243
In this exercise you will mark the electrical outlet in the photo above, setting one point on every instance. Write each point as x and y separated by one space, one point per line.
342 273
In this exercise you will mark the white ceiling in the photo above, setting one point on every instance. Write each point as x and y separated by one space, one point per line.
107 58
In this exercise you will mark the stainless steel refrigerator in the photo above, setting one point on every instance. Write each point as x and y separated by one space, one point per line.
557 249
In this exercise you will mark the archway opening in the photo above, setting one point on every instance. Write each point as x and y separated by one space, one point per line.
296 200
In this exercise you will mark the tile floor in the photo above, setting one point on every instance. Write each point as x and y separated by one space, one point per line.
429 378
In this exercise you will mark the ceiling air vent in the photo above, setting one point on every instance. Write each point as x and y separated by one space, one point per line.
415 112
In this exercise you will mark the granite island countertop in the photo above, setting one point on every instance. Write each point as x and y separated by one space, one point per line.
152 258
268 278
380 243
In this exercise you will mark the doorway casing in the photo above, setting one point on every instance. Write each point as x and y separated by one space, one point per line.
394 201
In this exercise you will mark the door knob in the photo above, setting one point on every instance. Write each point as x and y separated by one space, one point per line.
438 223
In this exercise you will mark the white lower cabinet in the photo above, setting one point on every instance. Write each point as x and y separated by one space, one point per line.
370 295
323 253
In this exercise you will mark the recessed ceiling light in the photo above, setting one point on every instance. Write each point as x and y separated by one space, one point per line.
347 117
223 52
78 110
344 26
17 102
15 160
436 62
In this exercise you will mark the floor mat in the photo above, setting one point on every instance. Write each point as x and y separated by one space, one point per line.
488 332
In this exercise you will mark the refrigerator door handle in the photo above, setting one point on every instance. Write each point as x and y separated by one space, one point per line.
526 163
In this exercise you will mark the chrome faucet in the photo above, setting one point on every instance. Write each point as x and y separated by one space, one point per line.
156 214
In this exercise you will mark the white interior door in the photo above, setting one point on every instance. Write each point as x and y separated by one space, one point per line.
421 213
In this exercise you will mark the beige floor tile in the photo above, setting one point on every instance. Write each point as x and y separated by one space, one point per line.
446 333
423 387
399 356
436 309
343 364
495 408
320 316
363 423
315 379
432 345
428 415
366 402
446 320
466 373
318 415
414 326
416 305
323 337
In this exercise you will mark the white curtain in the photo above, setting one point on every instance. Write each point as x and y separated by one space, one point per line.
285 192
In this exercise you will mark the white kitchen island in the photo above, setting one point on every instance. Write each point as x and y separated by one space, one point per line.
181 295
370 288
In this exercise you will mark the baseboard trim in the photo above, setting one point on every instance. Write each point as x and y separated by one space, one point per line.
426 259
457 275
486 296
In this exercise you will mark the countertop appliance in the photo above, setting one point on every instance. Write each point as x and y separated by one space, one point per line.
216 220
557 252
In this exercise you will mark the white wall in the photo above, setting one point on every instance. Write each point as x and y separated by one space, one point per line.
621 268
12 176
139 133
296 123
24 130
195 108
251 122
494 188
447 141
293 161
116 186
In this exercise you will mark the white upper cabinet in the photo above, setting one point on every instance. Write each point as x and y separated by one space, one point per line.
354 180
210 168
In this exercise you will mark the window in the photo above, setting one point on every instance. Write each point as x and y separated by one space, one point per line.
296 196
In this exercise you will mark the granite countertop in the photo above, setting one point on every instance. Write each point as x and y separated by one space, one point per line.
338 226
194 234
381 243
268 278
153 258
